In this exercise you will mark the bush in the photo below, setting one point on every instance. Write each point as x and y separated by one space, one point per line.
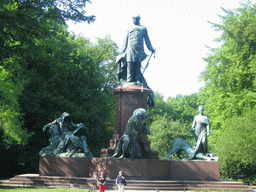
236 147
164 131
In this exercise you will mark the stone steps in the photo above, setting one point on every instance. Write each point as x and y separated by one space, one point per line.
30 180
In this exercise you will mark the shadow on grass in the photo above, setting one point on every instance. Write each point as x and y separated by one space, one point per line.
39 189
9 187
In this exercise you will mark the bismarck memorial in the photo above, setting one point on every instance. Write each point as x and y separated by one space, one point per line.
149 167
129 149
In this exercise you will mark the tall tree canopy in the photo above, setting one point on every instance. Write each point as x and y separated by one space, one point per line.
181 107
230 88
230 73
25 26
45 71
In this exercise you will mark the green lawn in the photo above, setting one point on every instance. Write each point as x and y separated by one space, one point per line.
38 189
218 191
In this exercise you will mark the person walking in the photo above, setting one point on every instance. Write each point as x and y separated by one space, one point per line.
101 182
120 181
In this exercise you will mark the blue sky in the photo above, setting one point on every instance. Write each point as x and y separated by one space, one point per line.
178 30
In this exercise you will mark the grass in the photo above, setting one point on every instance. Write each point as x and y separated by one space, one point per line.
39 189
218 190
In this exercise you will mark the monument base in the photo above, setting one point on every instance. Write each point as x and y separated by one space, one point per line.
138 169
129 97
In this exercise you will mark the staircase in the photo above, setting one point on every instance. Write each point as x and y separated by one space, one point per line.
32 180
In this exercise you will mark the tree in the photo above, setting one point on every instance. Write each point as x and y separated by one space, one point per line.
23 25
230 73
185 107
236 147
172 119
230 88
67 79
46 71
164 131
11 86
181 107
160 108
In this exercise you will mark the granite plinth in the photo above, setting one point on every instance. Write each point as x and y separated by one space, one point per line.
64 166
129 96
138 169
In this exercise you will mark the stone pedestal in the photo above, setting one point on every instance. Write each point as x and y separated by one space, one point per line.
64 166
128 98
133 169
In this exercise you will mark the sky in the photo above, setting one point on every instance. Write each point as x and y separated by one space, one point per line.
179 32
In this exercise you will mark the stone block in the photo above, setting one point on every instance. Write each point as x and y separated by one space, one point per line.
135 169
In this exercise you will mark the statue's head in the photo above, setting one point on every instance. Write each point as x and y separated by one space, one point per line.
136 19
66 118
201 109
141 115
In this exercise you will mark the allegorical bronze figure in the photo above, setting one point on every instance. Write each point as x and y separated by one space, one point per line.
128 145
65 139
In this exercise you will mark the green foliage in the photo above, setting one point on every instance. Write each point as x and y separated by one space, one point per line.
25 26
236 147
228 96
172 119
230 91
164 131
160 108
45 71
10 117
67 79
182 108
230 73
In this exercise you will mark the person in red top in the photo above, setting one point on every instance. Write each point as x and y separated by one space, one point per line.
101 182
